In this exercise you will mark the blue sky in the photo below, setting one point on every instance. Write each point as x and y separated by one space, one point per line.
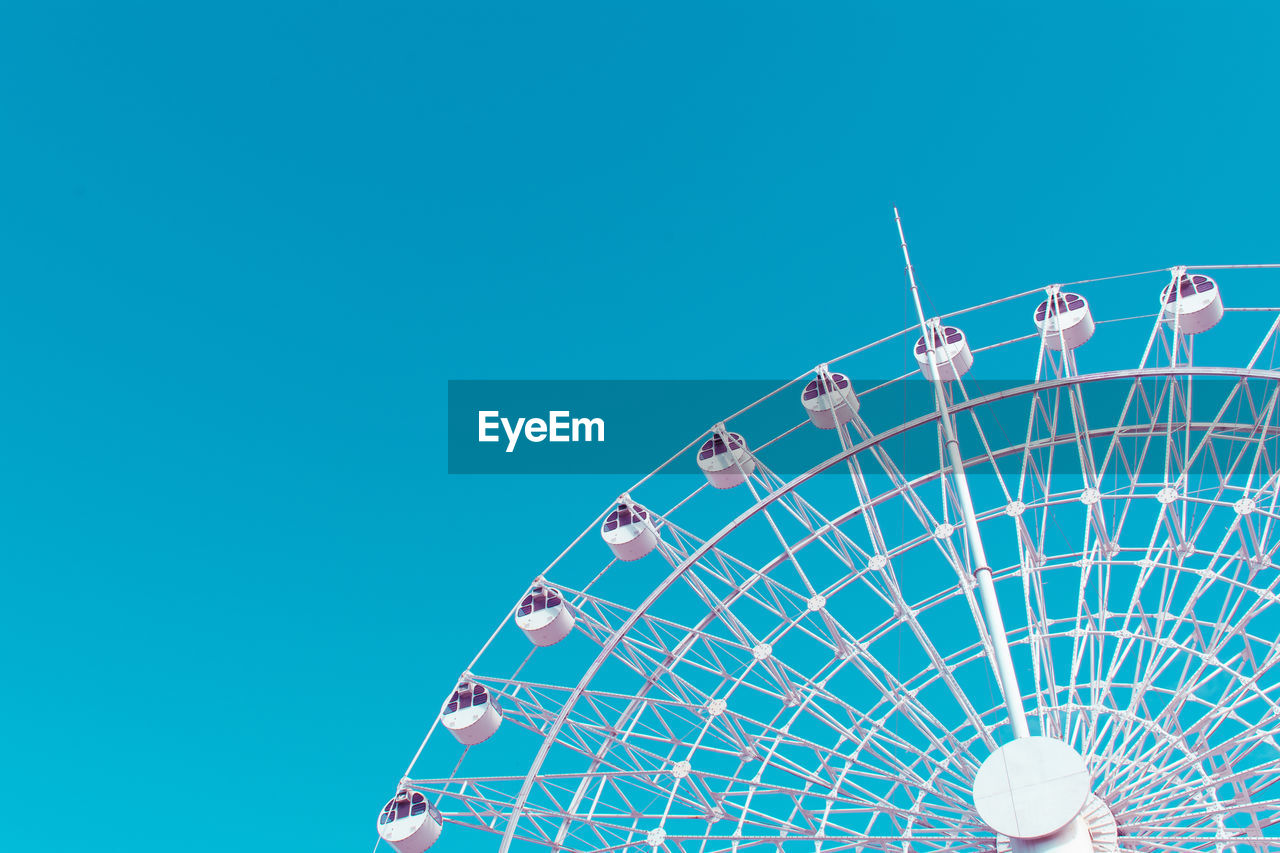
245 246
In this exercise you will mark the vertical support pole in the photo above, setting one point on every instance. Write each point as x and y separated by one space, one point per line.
1005 673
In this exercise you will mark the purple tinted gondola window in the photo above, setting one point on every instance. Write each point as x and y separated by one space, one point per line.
716 445
812 390
1060 305
624 515
948 334
1188 285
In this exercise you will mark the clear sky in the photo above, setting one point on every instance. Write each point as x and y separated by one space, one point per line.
243 247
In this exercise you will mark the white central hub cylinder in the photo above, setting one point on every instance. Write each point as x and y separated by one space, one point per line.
1032 788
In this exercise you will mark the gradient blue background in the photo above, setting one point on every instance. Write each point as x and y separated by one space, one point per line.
243 246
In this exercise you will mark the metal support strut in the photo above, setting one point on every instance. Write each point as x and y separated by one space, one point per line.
1005 673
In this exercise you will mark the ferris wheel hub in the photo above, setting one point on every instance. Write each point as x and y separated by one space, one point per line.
1031 787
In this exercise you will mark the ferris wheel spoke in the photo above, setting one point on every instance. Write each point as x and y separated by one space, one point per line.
1036 470
1200 734
1240 604
823 531
874 734
937 813
1168 807
1255 439
830 532
1041 648
596 723
1223 629
623 792
611 825
902 612
902 485
1259 534
1164 755
907 491
653 648
1129 640
836 725
763 585
1234 436
1091 477
1201 842
804 511
739 654
741 662
906 614
794 615
986 445
612 736
1033 466
895 694
1175 738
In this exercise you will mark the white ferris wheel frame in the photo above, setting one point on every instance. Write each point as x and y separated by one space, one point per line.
646 643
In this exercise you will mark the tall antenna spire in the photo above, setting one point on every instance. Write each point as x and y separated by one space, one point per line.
911 276
1002 657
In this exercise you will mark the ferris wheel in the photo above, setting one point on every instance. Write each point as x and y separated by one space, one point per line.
1039 613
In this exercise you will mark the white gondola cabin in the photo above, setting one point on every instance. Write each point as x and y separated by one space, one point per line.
1194 302
410 823
950 351
628 530
1064 320
544 615
472 715
725 460
829 400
